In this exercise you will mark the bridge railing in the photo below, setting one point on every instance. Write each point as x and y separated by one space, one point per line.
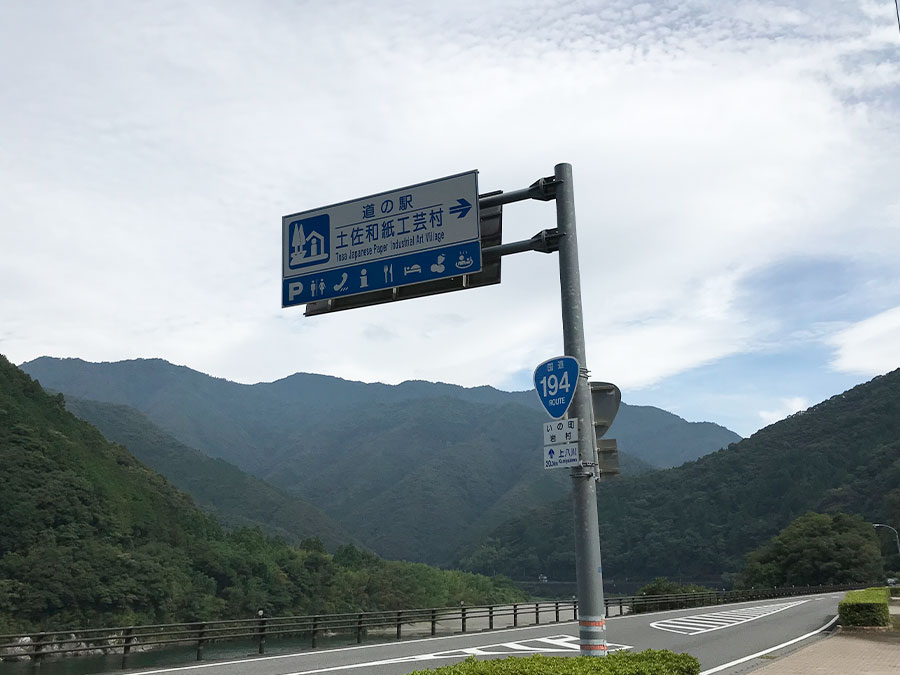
126 640
655 603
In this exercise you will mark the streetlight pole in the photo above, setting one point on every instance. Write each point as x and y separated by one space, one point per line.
896 535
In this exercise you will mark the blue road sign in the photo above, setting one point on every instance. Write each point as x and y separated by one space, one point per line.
398 238
555 381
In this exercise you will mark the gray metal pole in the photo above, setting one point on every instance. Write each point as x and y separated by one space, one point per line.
589 574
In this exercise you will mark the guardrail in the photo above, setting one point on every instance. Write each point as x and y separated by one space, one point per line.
126 640
655 603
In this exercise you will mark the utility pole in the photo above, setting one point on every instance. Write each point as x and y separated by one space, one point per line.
588 569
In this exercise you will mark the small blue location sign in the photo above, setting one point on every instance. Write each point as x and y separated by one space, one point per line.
555 381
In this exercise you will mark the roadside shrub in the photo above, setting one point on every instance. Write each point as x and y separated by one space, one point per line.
868 607
647 662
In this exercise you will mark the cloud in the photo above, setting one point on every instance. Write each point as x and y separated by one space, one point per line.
150 151
788 407
870 347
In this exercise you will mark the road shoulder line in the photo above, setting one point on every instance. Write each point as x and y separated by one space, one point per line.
769 650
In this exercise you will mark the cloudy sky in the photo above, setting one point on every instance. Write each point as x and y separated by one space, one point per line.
737 186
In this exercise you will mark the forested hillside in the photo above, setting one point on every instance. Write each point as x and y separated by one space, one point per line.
90 536
698 521
234 497
413 471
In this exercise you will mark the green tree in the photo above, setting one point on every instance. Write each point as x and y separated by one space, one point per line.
91 537
815 549
664 586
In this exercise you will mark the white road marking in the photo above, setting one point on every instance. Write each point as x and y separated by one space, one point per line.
556 644
704 623
744 659
316 652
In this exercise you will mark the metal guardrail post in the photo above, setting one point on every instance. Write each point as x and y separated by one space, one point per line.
399 616
37 655
262 633
201 640
463 617
127 639
491 617
433 621
315 632
359 628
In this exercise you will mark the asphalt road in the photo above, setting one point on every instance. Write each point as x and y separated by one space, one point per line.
719 636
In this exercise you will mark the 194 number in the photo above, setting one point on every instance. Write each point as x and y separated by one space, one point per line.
552 385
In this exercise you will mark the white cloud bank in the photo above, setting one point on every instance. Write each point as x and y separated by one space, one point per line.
788 406
870 347
149 151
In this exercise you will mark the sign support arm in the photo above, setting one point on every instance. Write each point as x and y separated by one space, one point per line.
543 189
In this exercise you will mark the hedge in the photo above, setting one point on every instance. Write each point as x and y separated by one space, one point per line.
865 608
647 662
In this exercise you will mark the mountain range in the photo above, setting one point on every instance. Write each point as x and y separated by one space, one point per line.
413 471
90 536
699 520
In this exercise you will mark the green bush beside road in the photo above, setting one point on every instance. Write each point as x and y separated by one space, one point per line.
868 607
647 662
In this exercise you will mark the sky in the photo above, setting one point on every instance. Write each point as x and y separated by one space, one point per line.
736 176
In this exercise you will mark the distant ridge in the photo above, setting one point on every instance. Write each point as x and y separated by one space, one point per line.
144 384
413 471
